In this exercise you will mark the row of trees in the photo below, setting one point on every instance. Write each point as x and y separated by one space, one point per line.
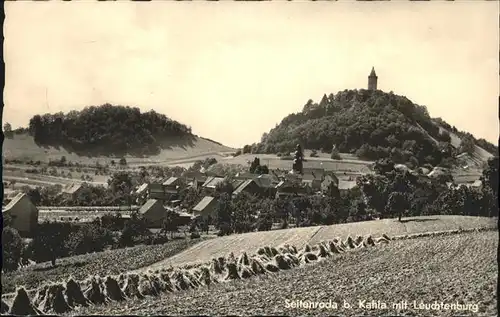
393 193
106 130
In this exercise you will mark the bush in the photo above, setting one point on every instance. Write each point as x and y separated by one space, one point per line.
335 155
89 238
314 153
195 235
134 228
50 239
12 246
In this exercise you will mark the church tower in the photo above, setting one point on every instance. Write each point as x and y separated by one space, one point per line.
372 80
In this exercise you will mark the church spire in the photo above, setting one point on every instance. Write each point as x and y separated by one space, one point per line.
372 74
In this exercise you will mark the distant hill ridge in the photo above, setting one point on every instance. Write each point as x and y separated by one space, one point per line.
373 124
107 131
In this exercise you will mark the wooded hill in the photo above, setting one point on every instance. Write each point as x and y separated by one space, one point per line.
372 125
107 130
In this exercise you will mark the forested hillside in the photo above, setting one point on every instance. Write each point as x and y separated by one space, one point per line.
370 124
107 130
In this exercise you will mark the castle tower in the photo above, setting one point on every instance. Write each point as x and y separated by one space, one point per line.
372 80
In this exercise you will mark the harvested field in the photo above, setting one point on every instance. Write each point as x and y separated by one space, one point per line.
107 262
249 242
408 226
457 268
66 296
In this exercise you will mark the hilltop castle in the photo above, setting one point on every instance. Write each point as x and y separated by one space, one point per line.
372 80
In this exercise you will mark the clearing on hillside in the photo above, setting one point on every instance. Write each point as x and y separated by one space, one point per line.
23 147
459 268
249 242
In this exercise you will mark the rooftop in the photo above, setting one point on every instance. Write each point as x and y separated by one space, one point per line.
170 181
203 203
72 188
150 203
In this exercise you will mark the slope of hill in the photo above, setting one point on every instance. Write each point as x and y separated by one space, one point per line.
370 124
476 158
456 269
23 147
106 131
249 242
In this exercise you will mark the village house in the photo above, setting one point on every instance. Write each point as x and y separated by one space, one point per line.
249 186
267 183
173 185
244 176
205 208
156 191
236 183
71 190
195 180
142 189
316 172
23 215
287 189
312 182
212 182
329 179
153 212
346 184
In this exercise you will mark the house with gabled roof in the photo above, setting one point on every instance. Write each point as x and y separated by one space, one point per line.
285 188
346 185
329 179
154 212
249 186
245 175
312 182
71 190
22 213
142 189
205 208
212 182
237 183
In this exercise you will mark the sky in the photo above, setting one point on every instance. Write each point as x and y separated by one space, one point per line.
233 70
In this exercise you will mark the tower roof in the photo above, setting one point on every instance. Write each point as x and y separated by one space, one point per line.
372 74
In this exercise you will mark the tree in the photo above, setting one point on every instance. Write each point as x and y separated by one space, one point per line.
383 166
335 155
34 195
135 227
396 204
298 159
490 182
121 183
254 165
123 161
224 214
171 223
89 238
467 145
49 241
262 169
12 247
7 130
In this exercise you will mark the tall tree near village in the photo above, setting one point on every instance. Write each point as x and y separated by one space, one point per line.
298 159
